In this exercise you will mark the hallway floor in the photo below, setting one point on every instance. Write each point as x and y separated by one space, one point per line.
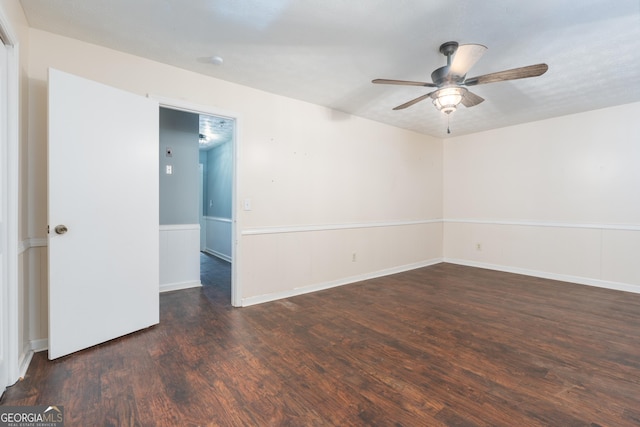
215 275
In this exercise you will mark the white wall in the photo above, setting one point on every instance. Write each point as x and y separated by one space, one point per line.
300 164
179 200
219 185
556 198
179 197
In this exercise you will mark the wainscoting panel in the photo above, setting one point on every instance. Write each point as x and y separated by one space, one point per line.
33 295
179 257
620 256
603 255
287 261
218 240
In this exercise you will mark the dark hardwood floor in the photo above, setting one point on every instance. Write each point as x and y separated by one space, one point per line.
215 273
444 345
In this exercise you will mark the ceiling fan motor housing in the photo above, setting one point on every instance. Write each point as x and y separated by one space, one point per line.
441 76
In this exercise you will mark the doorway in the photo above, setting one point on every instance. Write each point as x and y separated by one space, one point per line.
216 142
197 184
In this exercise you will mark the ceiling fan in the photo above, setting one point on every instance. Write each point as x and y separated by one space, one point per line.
451 81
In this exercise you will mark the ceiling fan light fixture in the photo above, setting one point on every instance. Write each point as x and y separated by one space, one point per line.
447 99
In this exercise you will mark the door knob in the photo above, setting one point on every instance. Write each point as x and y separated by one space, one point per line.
61 229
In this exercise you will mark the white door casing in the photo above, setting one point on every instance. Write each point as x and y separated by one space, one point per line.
182 105
201 221
4 283
103 186
9 172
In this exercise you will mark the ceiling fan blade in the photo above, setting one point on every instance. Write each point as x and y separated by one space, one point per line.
513 74
471 99
401 82
466 56
413 101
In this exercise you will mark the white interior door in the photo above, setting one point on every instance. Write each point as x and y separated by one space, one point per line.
103 188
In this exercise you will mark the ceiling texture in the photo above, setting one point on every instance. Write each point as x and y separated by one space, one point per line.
327 51
215 131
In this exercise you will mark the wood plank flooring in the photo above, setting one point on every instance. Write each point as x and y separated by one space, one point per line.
444 345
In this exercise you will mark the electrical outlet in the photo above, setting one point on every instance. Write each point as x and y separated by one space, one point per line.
478 246
353 257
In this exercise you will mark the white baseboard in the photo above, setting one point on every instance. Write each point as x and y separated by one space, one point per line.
218 254
259 299
617 286
535 273
179 286
40 345
23 362
31 347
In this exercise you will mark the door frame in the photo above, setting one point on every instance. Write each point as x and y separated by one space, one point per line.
190 107
9 144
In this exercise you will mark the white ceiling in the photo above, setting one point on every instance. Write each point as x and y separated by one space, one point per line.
328 51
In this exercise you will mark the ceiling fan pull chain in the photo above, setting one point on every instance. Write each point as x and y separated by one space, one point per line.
448 117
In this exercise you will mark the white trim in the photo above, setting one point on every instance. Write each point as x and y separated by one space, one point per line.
526 223
179 227
328 227
218 254
552 276
24 362
335 283
39 345
177 104
191 107
10 195
30 348
217 219
36 242
347 226
167 287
